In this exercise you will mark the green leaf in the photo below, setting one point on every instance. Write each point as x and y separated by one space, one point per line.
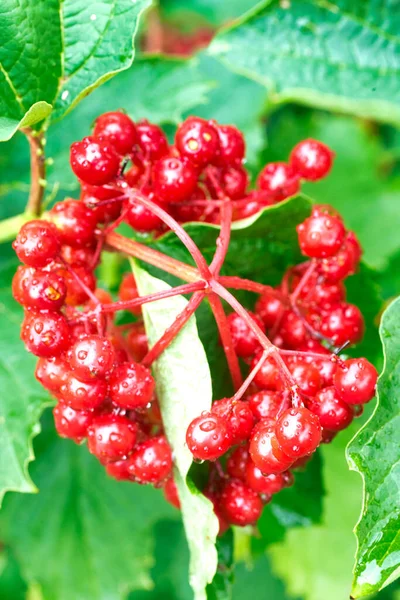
339 56
53 54
375 454
11 584
93 534
183 386
315 562
22 398
221 586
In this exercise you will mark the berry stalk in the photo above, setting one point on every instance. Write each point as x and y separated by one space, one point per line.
38 172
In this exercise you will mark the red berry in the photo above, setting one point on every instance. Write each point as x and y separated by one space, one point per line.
152 140
238 416
263 484
140 218
83 395
239 505
134 174
265 451
75 223
119 470
171 493
265 404
21 279
94 161
137 342
231 145
45 334
91 357
207 437
101 192
51 373
332 412
237 461
43 290
78 256
306 375
268 376
128 291
174 179
244 339
269 307
151 461
345 261
37 243
111 437
76 294
355 382
117 129
298 432
186 211
70 423
343 324
279 181
234 182
213 496
292 330
197 140
246 209
327 295
131 385
311 159
103 211
321 236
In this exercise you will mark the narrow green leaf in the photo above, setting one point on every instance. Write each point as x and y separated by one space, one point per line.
22 399
184 390
339 56
375 454
84 535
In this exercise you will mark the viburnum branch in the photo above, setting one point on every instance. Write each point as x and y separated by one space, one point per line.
223 239
38 172
243 388
226 339
172 331
248 285
152 257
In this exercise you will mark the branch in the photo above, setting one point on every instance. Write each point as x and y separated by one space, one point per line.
38 172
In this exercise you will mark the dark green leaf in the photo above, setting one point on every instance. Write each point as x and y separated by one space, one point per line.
12 586
84 535
22 398
341 56
221 586
375 454
183 386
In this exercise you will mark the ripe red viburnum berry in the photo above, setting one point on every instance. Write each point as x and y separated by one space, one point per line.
298 432
51 373
207 436
94 161
151 461
238 417
279 180
37 243
174 179
70 423
43 290
237 461
265 451
332 412
117 129
111 437
152 140
82 395
321 236
75 223
131 385
91 357
232 146
198 141
239 504
355 381
45 334
311 159
269 307
265 404
244 339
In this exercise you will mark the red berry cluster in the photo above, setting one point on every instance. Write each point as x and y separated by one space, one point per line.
189 178
278 426
103 393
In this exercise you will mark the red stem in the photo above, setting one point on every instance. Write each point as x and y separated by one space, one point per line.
172 331
223 238
226 339
250 377
306 276
238 283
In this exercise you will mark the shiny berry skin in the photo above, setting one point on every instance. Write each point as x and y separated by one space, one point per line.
45 334
111 437
298 432
44 291
268 376
91 357
232 146
151 461
174 179
207 437
311 159
292 330
76 294
94 161
279 181
140 218
263 484
75 223
321 236
136 341
345 261
117 129
198 141
327 295
186 212
104 212
332 412
82 395
244 340
152 140
306 375
134 174
20 280
237 462
355 382
234 181
171 493
344 323
78 256
128 291
37 243
269 308
51 373
265 451
70 423
239 504
238 416
131 385
265 404
118 470
101 192
248 209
